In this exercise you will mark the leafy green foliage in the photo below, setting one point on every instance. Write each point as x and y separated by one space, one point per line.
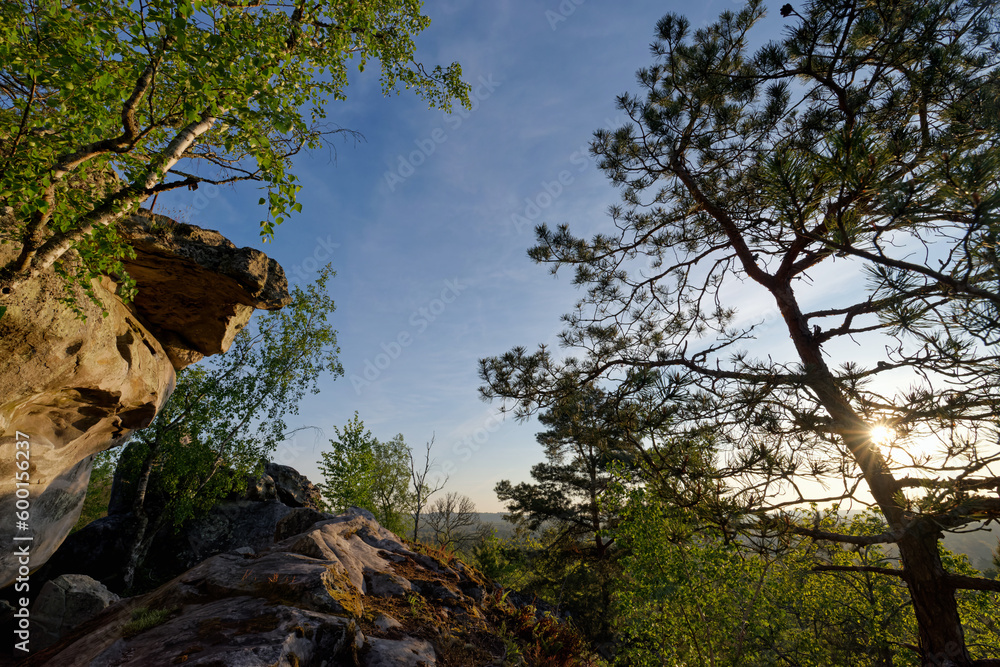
559 569
581 444
225 417
229 414
95 504
584 445
689 596
148 97
345 469
361 471
507 561
545 640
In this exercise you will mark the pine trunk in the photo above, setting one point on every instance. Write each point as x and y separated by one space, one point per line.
940 636
942 641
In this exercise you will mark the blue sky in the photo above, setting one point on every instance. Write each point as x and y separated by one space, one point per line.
417 221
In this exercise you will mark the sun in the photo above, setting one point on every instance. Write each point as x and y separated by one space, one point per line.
882 434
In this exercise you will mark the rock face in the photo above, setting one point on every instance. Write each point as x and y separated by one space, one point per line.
288 485
316 598
280 500
64 603
196 289
98 551
71 387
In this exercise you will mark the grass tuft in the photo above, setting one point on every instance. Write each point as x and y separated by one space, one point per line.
143 619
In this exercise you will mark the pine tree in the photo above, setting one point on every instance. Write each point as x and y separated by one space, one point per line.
861 146
580 450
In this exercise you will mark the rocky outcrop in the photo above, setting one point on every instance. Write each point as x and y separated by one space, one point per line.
279 500
315 598
71 387
196 289
287 485
99 550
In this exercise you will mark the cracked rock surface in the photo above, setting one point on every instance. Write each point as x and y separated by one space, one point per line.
307 601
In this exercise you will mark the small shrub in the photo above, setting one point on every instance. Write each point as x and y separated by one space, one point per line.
418 606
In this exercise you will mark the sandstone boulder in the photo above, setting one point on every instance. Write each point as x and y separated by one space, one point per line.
196 289
99 550
408 652
297 521
64 603
292 488
71 387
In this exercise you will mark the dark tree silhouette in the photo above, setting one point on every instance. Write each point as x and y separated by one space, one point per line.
862 147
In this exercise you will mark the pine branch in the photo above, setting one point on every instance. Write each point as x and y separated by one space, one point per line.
860 568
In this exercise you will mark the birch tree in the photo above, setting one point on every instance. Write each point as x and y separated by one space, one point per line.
106 103
226 416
